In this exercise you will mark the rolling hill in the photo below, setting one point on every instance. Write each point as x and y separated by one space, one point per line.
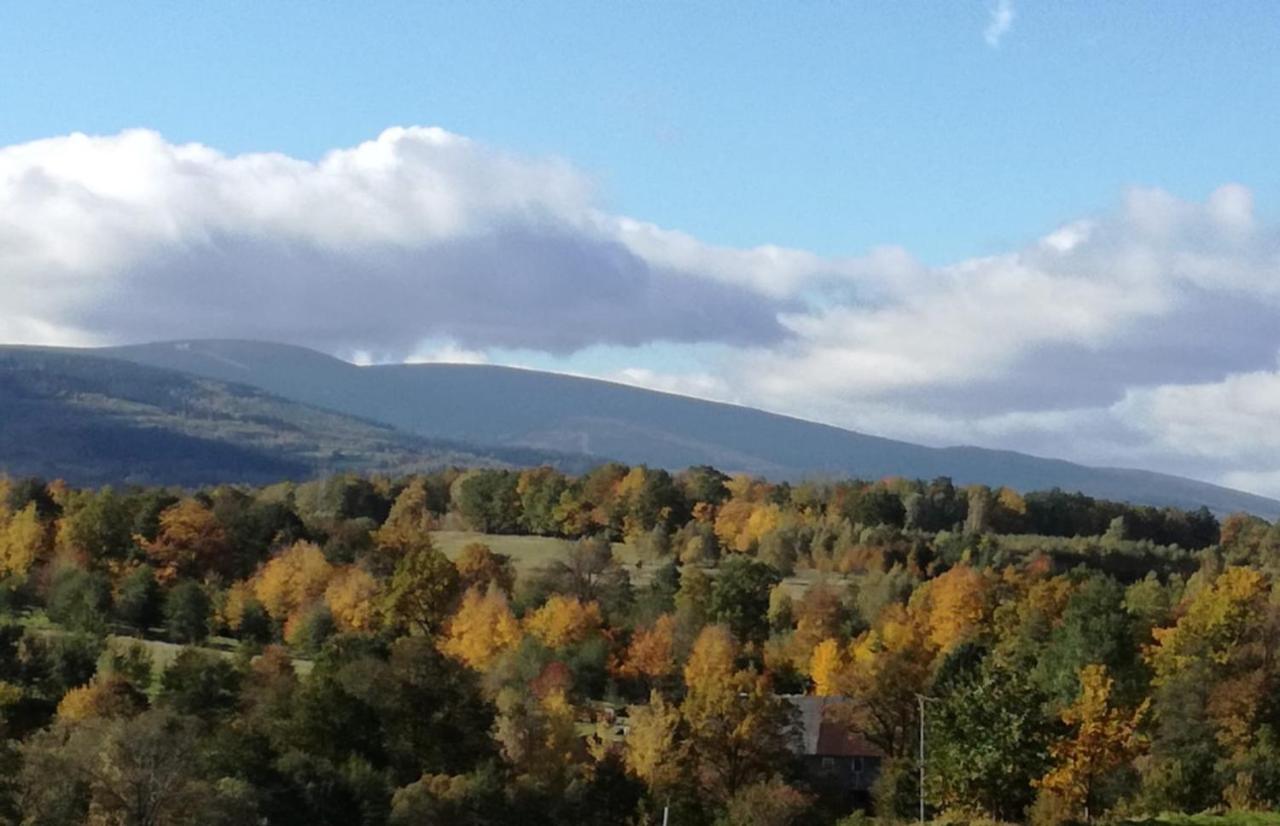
94 420
511 408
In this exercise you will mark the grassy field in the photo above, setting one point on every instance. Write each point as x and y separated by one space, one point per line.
530 553
161 652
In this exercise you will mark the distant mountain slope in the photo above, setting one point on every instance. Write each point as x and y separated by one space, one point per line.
95 420
503 406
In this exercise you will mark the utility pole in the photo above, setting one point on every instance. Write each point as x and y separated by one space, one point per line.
921 699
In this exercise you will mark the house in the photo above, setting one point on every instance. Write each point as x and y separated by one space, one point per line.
837 761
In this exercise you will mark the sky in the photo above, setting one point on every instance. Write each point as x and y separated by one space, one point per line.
1050 227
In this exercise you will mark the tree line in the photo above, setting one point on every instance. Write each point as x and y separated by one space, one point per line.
304 653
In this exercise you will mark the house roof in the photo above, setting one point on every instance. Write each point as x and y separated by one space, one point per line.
823 735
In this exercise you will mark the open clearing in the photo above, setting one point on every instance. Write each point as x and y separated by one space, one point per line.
531 553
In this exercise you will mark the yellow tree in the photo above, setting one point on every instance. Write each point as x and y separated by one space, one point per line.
739 730
825 668
651 655
479 567
232 611
956 603
1217 662
1104 739
656 750
352 596
740 523
410 517
24 539
888 666
190 542
564 621
104 696
482 629
712 661
292 579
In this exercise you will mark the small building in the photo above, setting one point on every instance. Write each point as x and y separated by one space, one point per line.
838 762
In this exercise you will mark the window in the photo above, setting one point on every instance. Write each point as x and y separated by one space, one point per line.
828 765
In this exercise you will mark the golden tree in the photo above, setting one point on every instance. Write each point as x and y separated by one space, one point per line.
352 596
24 539
825 668
292 580
190 541
956 603
651 655
564 621
656 750
888 666
482 629
1104 738
479 567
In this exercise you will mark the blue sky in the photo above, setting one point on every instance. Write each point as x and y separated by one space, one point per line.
829 126
1044 226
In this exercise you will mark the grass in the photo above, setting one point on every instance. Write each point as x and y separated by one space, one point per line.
161 652
531 553
528 553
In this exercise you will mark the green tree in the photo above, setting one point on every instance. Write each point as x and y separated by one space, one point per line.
422 590
138 598
200 683
186 612
96 526
79 599
144 771
1094 629
988 739
740 597
488 501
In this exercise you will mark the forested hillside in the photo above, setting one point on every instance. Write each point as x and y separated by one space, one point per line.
93 420
490 405
306 653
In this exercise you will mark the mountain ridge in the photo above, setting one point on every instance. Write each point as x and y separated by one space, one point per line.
517 407
93 419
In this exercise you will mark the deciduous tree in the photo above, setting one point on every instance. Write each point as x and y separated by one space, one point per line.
1103 739
482 629
564 621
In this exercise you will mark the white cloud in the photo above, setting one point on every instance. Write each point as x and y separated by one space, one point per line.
418 233
1263 483
1147 334
1082 286
1233 419
701 385
999 22
446 352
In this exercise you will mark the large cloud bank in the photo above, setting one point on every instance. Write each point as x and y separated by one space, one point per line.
1147 335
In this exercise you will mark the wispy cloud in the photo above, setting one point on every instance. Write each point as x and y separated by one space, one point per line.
998 25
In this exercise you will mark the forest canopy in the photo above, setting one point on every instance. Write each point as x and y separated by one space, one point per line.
470 644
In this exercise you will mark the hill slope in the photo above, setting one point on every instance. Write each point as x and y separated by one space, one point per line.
490 405
93 420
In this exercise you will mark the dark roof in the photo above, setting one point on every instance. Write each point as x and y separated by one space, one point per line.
835 740
824 736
